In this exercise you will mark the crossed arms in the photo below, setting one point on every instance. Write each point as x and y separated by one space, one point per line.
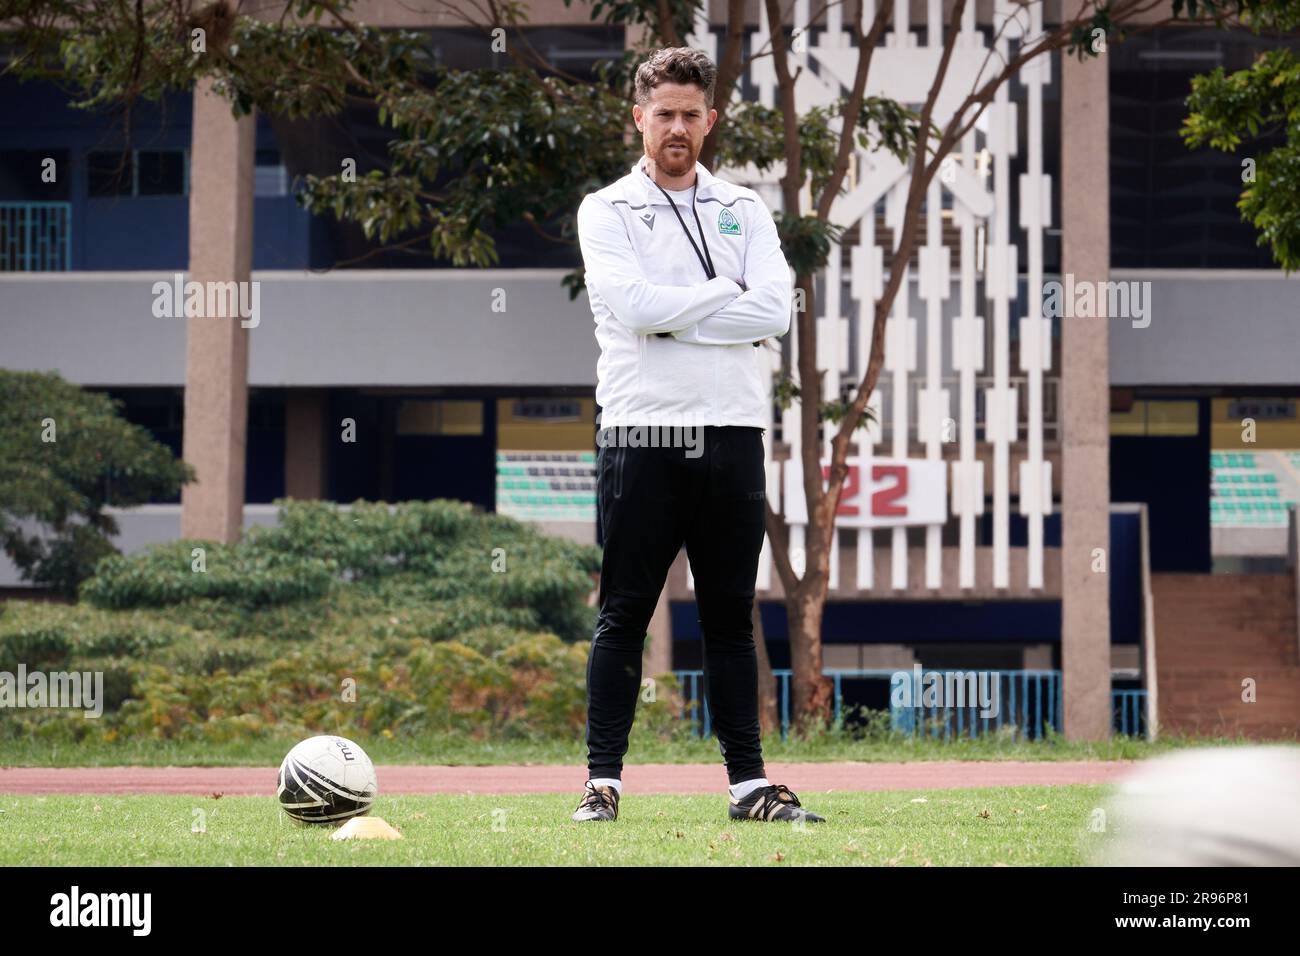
715 312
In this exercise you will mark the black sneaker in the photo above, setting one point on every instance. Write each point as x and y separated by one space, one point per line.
773 802
599 803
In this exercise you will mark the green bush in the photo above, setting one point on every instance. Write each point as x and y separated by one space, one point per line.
241 575
453 567
57 636
426 617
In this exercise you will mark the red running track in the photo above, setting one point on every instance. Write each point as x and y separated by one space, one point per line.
533 778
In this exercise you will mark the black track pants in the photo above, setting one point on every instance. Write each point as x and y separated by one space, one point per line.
651 501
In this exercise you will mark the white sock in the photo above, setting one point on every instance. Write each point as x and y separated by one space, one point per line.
743 789
608 782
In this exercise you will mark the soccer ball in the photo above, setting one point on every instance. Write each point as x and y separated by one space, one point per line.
326 779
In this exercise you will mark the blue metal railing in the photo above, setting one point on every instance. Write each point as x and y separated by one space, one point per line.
1129 712
1025 703
35 236
1028 704
691 683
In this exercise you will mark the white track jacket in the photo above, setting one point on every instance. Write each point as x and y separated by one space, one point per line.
643 277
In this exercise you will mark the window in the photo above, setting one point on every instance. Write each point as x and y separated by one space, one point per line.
160 173
34 175
110 174
440 417
142 172
1156 419
1172 206
270 178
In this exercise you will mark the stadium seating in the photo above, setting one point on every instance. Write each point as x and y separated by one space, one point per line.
547 486
1245 493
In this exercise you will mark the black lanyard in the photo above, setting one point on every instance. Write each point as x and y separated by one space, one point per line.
707 265
706 260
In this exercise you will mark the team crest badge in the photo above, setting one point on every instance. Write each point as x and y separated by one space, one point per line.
728 224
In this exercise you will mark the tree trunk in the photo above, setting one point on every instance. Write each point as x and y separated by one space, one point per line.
769 713
810 706
813 696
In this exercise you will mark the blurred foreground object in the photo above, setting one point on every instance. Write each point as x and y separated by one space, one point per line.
1221 806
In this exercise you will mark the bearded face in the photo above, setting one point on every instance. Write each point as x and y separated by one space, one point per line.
673 126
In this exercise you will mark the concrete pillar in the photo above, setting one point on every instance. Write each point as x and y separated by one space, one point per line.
1085 393
305 455
216 349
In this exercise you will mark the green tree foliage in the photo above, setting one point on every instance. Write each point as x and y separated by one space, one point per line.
1234 112
471 150
65 456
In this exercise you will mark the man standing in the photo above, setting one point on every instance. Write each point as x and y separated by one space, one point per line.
685 276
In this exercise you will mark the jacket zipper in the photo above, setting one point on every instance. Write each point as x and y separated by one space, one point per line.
640 370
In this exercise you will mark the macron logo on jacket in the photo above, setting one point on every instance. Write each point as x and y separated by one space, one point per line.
645 278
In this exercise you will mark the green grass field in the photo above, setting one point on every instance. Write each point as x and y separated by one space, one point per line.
1017 826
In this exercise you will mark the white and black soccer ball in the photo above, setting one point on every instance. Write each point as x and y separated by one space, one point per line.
326 779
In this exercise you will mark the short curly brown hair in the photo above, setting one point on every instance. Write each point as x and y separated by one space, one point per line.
677 64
